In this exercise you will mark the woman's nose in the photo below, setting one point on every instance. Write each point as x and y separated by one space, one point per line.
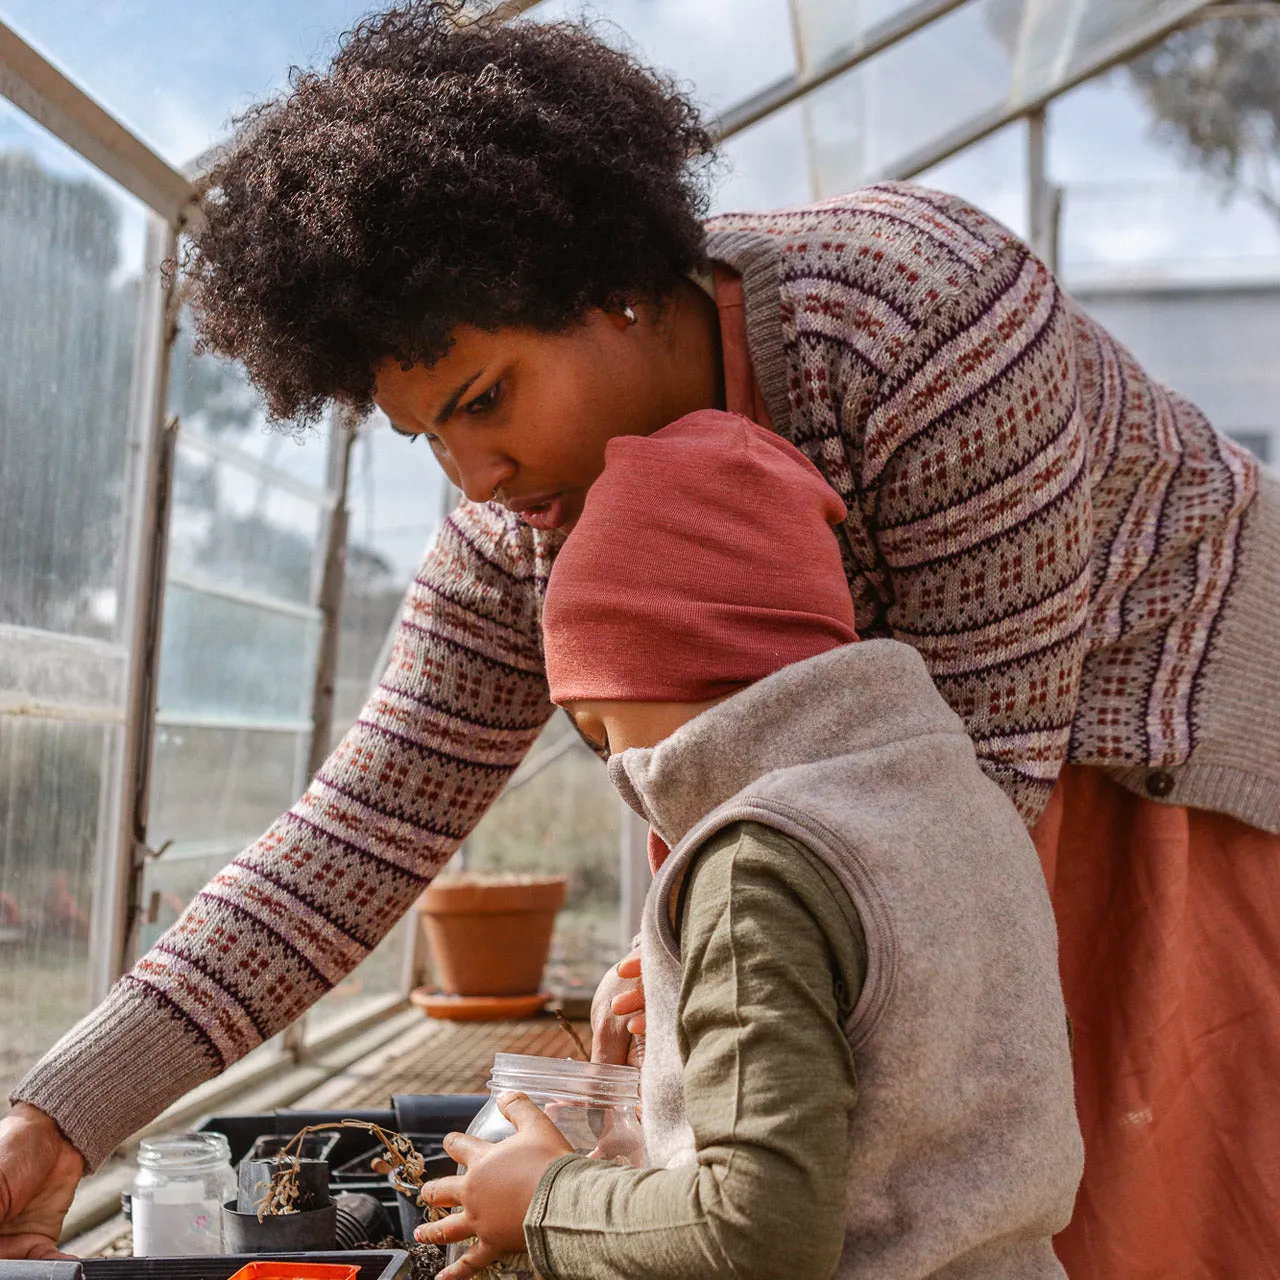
480 474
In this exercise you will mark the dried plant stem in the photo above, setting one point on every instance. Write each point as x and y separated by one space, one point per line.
571 1031
401 1160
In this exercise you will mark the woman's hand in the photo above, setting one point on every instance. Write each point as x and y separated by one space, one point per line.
617 1015
39 1173
496 1190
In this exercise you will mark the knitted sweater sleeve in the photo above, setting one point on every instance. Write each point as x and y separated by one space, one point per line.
975 509
463 698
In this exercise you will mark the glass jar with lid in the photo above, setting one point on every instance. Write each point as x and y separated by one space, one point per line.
595 1105
182 1182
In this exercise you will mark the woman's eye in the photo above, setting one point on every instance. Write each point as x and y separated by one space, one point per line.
410 436
484 401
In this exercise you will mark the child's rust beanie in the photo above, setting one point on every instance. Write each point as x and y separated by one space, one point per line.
704 560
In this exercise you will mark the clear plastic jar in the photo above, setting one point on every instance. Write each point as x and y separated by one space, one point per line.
183 1180
596 1106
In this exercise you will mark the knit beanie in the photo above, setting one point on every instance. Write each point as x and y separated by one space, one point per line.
704 560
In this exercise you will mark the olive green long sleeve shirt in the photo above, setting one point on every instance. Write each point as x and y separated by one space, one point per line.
773 962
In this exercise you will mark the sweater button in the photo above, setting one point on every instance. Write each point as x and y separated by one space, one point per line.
1159 783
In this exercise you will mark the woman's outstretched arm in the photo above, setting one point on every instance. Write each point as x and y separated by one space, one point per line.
462 699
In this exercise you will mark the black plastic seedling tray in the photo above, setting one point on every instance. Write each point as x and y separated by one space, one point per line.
360 1168
374 1264
242 1131
425 1118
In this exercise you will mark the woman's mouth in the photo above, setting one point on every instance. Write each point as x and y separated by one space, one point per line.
545 513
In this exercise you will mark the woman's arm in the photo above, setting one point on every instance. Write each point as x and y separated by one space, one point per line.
773 963
462 699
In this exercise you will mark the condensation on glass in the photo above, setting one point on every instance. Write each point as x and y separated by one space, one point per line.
71 268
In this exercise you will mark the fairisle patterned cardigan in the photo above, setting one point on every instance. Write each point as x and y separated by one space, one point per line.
1054 532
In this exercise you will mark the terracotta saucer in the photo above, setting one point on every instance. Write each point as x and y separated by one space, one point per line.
436 1004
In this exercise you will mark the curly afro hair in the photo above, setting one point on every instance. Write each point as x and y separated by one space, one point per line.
440 174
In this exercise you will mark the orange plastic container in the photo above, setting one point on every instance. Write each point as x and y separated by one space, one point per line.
282 1270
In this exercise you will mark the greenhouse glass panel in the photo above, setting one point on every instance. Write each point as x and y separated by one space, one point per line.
1058 40
396 497
71 266
176 74
868 120
224 656
717 53
1171 229
220 787
992 174
983 62
242 527
218 406
560 813
240 628
52 796
768 164
71 251
825 28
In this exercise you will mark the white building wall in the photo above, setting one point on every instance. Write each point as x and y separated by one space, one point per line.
1219 345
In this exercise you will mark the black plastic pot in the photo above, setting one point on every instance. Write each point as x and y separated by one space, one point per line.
426 1118
308 1231
314 1146
256 1175
361 1219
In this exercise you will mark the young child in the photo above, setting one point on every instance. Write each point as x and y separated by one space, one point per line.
856 1058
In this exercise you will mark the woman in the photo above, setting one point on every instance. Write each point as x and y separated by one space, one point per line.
493 235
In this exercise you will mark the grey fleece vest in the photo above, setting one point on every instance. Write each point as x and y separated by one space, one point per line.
966 1153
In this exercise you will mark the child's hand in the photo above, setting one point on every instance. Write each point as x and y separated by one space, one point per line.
617 1014
496 1190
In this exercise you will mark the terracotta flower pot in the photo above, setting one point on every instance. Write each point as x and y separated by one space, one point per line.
490 935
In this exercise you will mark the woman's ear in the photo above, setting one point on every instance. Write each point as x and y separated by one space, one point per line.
623 318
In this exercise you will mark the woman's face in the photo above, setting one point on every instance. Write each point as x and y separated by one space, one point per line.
522 417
